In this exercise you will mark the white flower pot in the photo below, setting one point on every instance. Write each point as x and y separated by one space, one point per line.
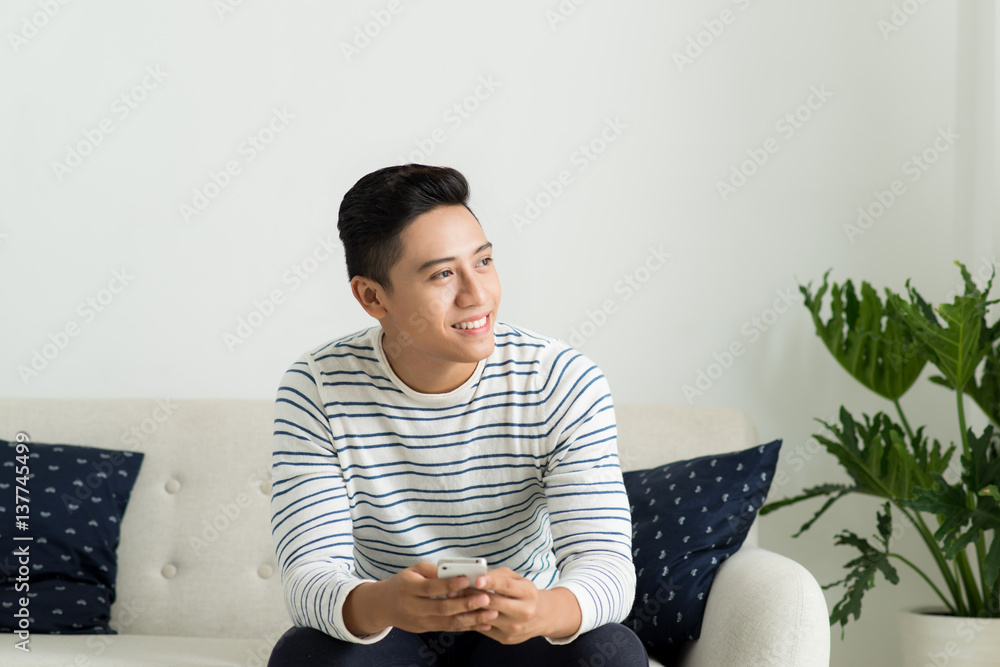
932 638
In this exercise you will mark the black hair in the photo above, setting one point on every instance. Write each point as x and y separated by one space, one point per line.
379 207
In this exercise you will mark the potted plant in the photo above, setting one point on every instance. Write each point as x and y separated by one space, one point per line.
885 346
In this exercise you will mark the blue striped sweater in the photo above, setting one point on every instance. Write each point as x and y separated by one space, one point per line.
518 465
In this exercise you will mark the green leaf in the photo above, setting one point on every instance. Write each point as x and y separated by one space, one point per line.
814 492
986 390
878 457
829 502
861 576
835 491
981 468
993 563
970 507
948 502
885 525
991 491
957 347
867 338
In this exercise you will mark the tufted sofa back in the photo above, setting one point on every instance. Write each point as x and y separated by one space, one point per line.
196 557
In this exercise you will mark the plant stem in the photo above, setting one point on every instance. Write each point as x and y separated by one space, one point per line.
930 583
902 418
942 564
971 589
932 546
961 422
981 559
975 602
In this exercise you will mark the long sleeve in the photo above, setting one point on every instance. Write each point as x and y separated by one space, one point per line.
588 507
310 513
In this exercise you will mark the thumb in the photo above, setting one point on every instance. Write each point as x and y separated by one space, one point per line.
425 569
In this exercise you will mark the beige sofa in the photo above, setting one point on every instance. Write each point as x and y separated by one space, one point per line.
198 582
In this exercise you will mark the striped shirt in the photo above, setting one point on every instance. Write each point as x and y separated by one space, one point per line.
518 465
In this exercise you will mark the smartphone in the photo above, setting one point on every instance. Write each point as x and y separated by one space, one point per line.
456 567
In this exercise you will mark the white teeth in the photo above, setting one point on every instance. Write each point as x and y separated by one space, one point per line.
471 325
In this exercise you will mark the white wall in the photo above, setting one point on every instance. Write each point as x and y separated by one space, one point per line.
198 81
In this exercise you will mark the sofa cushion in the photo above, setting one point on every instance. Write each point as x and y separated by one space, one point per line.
72 499
689 516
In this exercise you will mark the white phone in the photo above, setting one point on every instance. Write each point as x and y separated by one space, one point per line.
456 567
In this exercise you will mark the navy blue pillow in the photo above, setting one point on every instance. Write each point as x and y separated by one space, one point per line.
76 499
687 517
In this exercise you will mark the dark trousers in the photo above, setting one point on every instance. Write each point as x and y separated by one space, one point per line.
610 645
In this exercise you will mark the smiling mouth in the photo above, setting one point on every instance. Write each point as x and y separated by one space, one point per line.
475 324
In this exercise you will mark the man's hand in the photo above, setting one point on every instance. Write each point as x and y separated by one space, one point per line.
409 600
523 611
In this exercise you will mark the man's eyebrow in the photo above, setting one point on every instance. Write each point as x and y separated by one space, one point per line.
429 264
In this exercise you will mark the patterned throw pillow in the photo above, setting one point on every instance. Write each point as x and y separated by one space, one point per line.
687 517
76 497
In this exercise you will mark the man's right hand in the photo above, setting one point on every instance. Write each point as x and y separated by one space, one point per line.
415 600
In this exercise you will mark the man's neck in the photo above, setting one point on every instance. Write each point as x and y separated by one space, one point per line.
426 375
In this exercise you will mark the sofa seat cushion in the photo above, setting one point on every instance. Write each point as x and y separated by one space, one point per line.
145 651
140 651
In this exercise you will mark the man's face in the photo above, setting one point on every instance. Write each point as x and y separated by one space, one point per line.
445 277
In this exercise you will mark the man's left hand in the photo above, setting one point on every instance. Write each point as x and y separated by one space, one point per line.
524 611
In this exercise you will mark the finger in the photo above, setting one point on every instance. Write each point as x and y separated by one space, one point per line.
451 587
479 620
448 607
506 584
465 592
506 607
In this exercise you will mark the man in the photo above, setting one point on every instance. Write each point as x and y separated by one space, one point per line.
443 432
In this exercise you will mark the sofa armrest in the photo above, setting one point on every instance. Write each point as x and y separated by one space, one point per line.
763 609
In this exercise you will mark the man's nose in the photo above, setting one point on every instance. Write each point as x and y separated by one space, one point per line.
471 289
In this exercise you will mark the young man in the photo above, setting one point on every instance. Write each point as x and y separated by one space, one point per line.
439 433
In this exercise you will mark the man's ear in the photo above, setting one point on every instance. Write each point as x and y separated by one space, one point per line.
370 295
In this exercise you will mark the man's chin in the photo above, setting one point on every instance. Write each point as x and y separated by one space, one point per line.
478 352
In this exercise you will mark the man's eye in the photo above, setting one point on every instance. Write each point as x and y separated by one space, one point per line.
441 274
487 260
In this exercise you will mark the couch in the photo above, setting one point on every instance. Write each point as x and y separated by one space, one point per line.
198 584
